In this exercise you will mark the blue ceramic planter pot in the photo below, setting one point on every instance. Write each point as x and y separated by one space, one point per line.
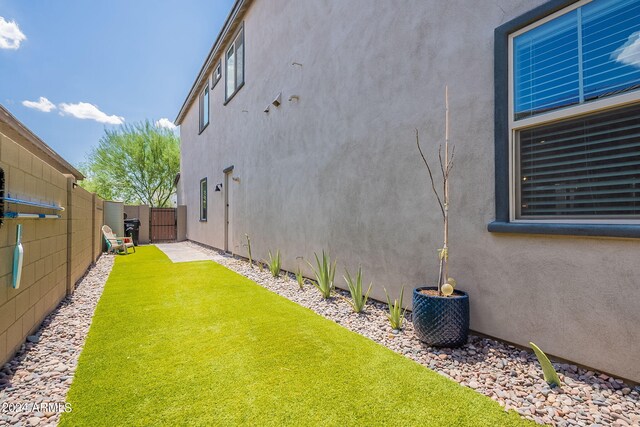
441 321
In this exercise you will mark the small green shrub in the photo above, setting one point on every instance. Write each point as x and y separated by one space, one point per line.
549 372
300 278
358 299
274 264
396 314
325 274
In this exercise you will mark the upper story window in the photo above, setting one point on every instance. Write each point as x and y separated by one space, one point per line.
234 75
203 199
574 115
217 74
204 107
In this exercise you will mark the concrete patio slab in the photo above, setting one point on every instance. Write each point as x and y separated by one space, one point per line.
182 252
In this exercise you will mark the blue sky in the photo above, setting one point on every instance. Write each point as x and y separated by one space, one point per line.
133 60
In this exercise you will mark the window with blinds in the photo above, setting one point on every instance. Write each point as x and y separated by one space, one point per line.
203 199
585 167
581 161
589 53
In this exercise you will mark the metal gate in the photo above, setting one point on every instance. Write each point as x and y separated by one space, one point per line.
163 224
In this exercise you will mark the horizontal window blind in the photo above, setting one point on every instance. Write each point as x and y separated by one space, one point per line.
610 47
589 53
546 71
584 167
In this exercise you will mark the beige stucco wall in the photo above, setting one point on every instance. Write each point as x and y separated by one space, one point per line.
339 170
114 216
181 223
45 247
141 212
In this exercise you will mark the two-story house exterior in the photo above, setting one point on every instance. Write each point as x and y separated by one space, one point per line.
299 131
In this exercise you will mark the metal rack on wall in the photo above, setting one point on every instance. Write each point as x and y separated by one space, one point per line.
1 195
20 202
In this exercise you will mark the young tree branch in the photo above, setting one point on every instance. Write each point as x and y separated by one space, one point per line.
433 184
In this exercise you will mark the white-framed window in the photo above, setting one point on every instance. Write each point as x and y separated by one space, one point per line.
203 199
574 115
204 107
234 59
217 74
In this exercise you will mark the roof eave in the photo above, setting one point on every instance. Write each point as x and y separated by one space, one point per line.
30 141
232 19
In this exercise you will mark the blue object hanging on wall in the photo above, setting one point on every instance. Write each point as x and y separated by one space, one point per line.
1 195
18 255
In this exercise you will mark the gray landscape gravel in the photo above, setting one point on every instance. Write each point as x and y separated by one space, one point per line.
509 375
42 371
34 384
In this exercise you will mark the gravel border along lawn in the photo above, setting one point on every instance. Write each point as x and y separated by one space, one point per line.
503 372
42 370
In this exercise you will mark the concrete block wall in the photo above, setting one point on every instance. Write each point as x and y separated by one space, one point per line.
44 271
81 232
57 252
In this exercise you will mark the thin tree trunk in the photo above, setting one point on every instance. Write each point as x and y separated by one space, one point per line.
445 257
443 202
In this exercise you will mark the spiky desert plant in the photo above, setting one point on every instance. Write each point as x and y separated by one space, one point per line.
396 313
358 299
300 278
274 264
443 199
325 274
549 372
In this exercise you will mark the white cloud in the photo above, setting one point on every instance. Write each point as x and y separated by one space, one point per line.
42 104
165 123
629 53
10 34
84 110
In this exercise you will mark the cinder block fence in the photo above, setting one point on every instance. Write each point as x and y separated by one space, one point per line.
57 251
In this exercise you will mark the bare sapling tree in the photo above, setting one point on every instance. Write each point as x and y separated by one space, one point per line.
446 165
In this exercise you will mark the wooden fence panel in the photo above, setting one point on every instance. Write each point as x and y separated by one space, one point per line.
163 224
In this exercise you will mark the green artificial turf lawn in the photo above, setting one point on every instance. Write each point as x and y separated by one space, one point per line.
197 344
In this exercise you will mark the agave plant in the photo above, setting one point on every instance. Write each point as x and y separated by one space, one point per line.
300 278
549 372
396 313
325 274
358 299
274 264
